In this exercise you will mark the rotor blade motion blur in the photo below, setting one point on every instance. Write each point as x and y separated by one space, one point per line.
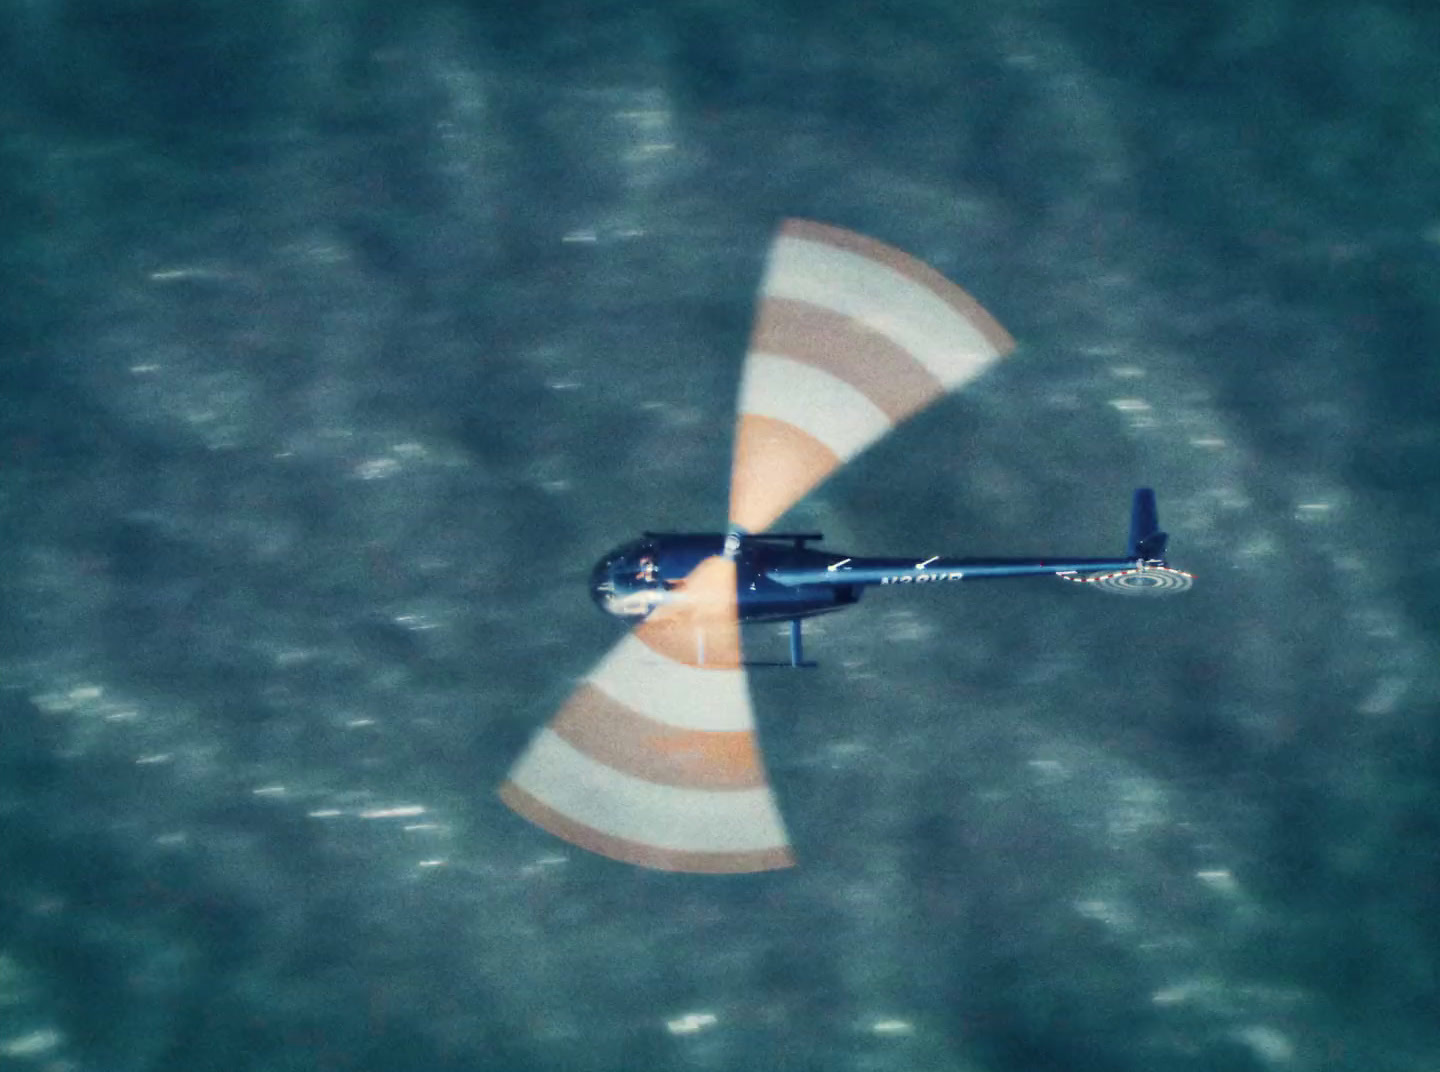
653 760
851 337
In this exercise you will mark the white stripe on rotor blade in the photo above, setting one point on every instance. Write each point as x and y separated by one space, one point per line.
882 299
662 816
667 691
814 401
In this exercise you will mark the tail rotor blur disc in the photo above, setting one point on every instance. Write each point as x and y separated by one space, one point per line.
1141 581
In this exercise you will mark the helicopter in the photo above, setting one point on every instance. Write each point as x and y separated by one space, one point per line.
780 578
653 760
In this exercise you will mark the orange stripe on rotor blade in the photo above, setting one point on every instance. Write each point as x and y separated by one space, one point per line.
638 853
885 373
700 624
707 593
911 268
613 734
775 465
687 638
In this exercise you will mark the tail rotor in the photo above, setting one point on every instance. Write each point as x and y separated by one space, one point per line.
1151 575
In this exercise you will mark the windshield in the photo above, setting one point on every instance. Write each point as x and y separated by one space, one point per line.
626 582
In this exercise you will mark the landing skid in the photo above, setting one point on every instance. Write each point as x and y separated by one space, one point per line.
797 653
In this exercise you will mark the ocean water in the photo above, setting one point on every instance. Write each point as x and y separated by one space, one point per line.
339 339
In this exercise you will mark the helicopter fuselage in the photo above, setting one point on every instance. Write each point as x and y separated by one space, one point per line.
779 578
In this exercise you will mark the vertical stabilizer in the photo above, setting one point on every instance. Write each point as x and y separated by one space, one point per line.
1147 542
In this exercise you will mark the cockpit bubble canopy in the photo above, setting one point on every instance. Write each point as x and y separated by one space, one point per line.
626 582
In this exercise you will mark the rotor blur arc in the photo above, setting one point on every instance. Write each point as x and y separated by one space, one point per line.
654 758
851 338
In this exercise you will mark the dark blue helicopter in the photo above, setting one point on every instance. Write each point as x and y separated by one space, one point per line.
653 759
780 578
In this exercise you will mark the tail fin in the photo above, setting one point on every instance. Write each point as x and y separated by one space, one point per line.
1147 542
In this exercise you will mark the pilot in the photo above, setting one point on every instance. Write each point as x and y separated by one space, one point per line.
648 570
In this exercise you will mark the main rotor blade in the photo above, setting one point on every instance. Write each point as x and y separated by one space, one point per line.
851 337
653 760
